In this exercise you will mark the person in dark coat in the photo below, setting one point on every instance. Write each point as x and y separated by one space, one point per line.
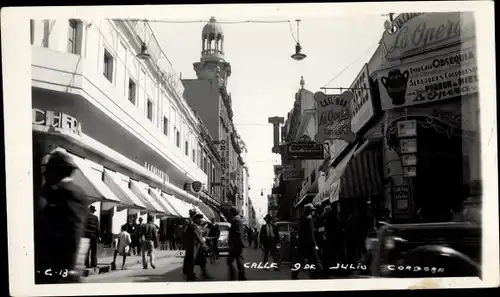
236 246
132 229
192 243
63 215
307 246
269 238
92 232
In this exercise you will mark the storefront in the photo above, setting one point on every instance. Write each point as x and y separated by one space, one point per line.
431 146
119 188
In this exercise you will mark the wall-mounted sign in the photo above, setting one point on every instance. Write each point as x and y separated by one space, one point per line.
402 197
409 160
55 119
415 33
161 174
293 174
305 150
333 116
443 77
362 102
410 171
196 186
408 145
224 164
407 128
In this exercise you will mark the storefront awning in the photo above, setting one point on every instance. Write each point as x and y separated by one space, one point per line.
206 211
179 205
122 191
198 210
306 198
168 209
142 193
89 182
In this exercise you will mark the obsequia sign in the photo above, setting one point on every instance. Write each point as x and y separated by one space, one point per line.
417 33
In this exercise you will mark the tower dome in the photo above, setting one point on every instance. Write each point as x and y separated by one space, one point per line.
213 28
212 41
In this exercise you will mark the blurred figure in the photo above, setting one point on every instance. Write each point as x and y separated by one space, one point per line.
255 238
307 246
192 243
214 235
132 229
171 237
249 236
269 238
236 246
93 234
179 242
63 213
148 235
122 246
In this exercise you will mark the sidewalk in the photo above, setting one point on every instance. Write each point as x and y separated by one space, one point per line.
104 263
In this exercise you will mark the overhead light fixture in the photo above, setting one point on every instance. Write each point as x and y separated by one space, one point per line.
298 56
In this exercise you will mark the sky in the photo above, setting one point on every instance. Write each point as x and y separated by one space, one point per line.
264 78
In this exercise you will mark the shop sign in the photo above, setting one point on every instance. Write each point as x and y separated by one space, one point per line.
362 102
305 150
408 146
407 128
333 116
293 174
443 77
224 153
55 119
161 174
415 33
409 171
402 197
409 160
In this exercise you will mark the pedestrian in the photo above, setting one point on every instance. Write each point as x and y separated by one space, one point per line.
63 214
139 227
269 238
179 241
131 228
148 236
192 243
171 237
255 236
236 245
122 247
250 236
214 235
307 247
92 232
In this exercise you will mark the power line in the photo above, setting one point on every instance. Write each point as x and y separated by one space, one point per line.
204 21
348 66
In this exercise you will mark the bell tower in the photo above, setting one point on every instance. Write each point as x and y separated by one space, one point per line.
212 64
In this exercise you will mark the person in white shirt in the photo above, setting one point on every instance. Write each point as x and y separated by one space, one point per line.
122 246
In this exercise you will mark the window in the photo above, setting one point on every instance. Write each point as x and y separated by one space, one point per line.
150 110
178 139
205 164
132 87
32 31
108 65
186 148
165 126
194 155
72 37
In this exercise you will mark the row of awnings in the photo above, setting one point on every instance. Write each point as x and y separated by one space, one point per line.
101 184
357 175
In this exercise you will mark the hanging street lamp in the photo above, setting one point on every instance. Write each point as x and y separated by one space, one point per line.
298 56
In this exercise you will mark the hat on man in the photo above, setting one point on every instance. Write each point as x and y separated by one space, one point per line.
92 208
309 206
198 216
60 159
268 217
192 212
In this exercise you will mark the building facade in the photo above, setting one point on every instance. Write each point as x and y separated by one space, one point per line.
413 142
98 96
208 95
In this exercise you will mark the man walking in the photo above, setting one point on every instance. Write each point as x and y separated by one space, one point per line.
131 228
307 246
269 239
63 215
236 245
93 234
149 238
214 235
192 242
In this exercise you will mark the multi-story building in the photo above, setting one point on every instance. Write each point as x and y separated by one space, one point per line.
208 95
100 95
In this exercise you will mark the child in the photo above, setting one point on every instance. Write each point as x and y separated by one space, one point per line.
122 246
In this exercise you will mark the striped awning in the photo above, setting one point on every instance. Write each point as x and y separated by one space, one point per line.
362 177
141 191
169 210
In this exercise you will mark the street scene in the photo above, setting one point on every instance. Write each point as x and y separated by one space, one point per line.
240 164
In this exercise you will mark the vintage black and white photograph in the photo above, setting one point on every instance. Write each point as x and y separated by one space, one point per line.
209 146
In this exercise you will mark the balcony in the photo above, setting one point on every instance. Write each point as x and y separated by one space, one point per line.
209 53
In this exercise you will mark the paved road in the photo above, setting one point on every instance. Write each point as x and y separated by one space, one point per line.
170 270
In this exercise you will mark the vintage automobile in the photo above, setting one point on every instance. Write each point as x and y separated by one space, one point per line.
451 249
288 232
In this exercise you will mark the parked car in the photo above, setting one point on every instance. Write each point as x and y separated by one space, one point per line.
286 230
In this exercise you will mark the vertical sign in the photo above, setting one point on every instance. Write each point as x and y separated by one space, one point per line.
362 102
